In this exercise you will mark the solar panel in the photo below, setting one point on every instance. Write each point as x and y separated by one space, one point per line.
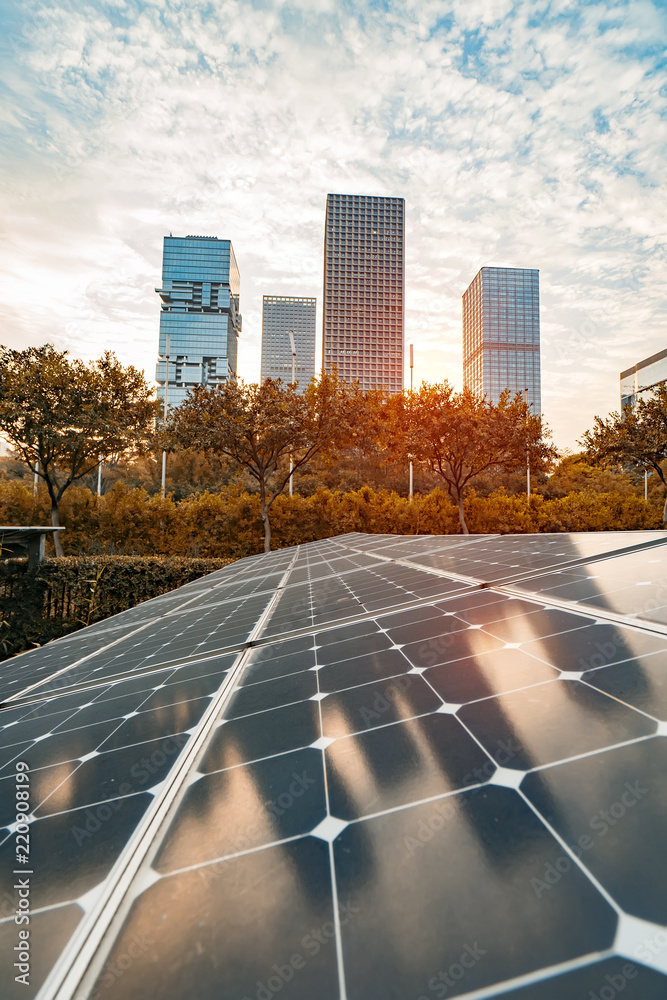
340 771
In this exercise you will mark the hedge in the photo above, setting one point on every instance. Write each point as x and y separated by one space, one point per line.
227 525
148 545
62 595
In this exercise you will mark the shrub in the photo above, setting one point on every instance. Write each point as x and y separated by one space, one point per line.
62 595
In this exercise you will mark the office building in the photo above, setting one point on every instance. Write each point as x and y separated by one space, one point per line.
282 314
200 313
501 333
364 289
638 381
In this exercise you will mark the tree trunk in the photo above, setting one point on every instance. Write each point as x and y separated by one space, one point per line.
55 521
462 517
664 514
267 527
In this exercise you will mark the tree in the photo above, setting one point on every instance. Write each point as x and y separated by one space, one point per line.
64 416
257 426
637 437
459 435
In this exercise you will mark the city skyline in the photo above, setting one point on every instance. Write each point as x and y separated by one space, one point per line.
516 134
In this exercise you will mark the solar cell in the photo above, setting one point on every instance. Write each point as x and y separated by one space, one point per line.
381 781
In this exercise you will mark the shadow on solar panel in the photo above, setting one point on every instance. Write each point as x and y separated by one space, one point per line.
340 772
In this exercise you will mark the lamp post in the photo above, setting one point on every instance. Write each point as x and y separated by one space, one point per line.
166 387
412 364
290 333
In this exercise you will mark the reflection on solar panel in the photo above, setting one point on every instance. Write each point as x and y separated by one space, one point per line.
365 768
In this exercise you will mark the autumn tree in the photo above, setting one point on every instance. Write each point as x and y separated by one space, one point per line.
257 426
635 438
63 416
460 435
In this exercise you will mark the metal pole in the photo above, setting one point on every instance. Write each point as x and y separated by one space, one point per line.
527 456
166 387
99 478
412 364
291 457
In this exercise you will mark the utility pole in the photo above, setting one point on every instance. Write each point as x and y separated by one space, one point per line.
412 364
166 387
527 456
291 457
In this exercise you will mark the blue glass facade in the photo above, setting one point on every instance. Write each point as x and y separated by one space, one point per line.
501 333
200 312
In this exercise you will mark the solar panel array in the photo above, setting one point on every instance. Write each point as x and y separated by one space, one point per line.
373 766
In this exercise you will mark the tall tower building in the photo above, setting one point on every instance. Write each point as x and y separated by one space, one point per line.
282 314
200 313
501 333
364 289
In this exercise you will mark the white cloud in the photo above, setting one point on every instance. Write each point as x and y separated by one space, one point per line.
543 147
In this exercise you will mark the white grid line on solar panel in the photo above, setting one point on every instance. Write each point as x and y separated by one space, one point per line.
137 750
293 838
72 966
25 670
593 542
357 592
644 601
285 840
83 673
538 550
233 592
100 721
174 640
419 543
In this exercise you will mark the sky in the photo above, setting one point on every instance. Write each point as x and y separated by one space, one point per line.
521 134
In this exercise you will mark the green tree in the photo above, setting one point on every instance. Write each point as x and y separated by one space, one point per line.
257 426
62 416
459 436
635 438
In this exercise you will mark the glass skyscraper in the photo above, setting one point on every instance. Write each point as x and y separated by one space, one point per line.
364 289
200 311
501 333
280 314
637 382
